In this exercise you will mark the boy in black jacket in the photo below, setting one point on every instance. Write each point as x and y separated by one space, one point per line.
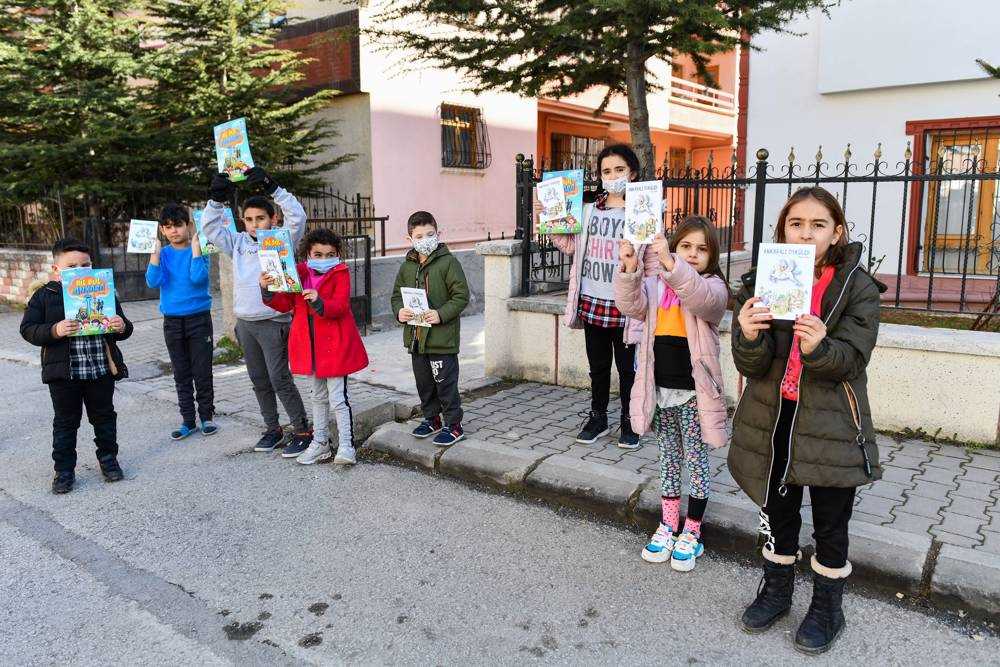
80 371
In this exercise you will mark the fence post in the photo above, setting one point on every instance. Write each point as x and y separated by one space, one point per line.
368 283
760 187
525 216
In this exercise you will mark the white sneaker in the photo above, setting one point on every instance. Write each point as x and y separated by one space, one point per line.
660 546
687 549
346 456
315 453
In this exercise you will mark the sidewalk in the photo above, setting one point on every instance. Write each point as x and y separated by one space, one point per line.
931 525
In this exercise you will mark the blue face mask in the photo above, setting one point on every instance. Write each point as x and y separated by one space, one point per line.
322 265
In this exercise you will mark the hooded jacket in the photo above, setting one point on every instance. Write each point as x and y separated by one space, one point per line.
447 293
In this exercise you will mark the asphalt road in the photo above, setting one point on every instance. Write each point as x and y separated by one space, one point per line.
210 554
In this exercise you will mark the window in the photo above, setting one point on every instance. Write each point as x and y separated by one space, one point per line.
961 220
465 143
572 152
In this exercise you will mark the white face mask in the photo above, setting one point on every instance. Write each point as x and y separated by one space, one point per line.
616 185
426 245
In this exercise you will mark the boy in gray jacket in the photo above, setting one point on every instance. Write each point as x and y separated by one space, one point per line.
260 331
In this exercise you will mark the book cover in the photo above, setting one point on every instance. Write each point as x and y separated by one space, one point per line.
232 149
89 298
415 299
280 241
207 247
785 278
572 221
141 236
643 211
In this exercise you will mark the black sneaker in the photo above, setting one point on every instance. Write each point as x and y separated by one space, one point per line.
269 441
596 427
63 482
300 443
427 428
111 470
628 439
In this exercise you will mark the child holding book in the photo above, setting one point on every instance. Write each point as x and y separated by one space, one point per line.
679 294
590 300
324 342
80 371
434 350
804 419
180 272
260 331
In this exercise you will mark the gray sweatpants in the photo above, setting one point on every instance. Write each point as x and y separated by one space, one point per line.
265 350
323 389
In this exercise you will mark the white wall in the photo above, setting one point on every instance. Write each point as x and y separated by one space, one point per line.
787 109
880 43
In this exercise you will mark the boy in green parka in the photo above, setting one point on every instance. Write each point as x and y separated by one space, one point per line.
434 349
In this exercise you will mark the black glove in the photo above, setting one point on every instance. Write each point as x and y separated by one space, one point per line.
257 176
221 189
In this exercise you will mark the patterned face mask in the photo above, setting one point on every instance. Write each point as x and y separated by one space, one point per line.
615 185
426 245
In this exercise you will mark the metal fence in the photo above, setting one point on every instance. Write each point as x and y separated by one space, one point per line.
931 228
37 224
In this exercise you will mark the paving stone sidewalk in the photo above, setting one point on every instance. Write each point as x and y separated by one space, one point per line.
947 492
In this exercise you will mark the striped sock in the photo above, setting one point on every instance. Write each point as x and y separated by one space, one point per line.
671 511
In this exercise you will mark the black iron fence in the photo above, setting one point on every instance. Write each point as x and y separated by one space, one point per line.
37 224
930 227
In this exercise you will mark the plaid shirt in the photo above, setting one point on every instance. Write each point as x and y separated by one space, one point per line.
87 358
600 312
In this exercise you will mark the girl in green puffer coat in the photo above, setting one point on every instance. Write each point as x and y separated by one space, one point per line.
804 420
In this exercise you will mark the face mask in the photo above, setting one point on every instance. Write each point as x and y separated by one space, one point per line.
322 265
615 186
426 245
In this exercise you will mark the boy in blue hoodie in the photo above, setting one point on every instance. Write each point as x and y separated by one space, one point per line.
181 273
261 331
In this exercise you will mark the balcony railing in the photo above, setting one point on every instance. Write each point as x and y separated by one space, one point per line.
702 97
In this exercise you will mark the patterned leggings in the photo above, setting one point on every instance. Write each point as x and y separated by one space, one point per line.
678 436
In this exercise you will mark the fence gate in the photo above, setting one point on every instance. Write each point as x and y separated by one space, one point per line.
108 240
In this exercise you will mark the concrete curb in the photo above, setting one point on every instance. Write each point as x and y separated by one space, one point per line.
883 556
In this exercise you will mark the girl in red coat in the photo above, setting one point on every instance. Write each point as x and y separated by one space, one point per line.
324 343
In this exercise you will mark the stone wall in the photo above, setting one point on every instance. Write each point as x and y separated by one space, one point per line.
18 269
943 381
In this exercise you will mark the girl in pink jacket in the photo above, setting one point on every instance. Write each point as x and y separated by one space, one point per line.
680 295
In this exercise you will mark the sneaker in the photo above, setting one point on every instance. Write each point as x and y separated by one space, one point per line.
269 440
686 550
449 436
427 428
183 432
346 456
300 443
209 427
660 546
628 439
596 427
317 452
63 482
111 470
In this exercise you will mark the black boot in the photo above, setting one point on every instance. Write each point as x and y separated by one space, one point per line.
825 619
774 598
63 482
111 470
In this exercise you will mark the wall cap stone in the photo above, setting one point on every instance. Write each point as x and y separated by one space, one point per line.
500 247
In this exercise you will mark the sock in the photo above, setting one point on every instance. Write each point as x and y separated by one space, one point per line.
671 511
695 513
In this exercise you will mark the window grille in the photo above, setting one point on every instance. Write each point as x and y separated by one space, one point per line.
465 142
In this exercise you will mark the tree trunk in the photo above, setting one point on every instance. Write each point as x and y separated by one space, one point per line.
638 111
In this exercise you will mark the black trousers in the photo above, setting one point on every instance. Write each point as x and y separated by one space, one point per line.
68 400
437 385
831 507
603 345
189 342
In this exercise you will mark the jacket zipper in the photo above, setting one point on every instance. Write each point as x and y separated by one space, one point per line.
708 372
312 340
860 439
791 430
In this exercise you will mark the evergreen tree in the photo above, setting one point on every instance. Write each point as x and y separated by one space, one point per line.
68 97
215 60
559 48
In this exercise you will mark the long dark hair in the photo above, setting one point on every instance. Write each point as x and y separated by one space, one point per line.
625 152
698 223
835 255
